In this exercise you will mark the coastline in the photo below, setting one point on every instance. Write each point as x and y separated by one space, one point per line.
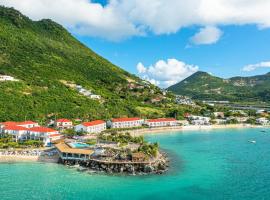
18 158
27 158
162 130
138 132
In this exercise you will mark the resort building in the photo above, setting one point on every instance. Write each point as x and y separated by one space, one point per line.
19 126
17 132
63 124
263 121
127 122
161 122
199 120
91 127
7 78
29 130
27 124
47 135
67 152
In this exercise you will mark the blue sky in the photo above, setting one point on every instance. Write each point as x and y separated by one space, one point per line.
238 47
165 41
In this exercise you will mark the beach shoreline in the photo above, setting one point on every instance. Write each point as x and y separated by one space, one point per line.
22 158
164 130
138 132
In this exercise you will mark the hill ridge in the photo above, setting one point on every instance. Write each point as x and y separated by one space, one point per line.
204 86
43 56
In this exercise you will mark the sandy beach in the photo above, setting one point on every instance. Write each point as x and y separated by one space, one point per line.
18 158
21 158
27 156
139 132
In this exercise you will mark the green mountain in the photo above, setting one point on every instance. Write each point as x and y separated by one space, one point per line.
49 62
203 86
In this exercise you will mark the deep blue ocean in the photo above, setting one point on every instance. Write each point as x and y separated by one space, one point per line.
216 164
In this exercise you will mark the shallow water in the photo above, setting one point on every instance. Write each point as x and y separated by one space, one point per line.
216 164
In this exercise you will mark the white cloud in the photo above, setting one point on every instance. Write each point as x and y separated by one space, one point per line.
207 35
166 73
141 69
79 16
253 67
121 18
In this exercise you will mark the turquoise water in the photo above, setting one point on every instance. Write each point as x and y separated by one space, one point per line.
218 164
79 145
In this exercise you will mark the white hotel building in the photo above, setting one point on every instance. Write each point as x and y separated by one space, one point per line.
29 130
161 122
127 122
91 127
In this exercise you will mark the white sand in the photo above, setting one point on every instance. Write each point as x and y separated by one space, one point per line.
190 127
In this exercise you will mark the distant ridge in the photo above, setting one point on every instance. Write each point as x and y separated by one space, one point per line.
203 86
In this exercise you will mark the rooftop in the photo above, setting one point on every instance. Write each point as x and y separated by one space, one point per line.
8 123
42 129
93 123
126 119
15 128
63 120
162 120
64 148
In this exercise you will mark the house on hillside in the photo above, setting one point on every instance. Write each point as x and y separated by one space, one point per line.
94 96
127 122
7 78
87 93
184 100
161 122
63 124
91 127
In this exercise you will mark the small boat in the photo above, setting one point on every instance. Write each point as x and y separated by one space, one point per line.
252 141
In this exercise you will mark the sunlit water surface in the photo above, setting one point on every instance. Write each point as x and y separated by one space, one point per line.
216 164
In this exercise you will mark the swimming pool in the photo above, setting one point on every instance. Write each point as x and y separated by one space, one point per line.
78 145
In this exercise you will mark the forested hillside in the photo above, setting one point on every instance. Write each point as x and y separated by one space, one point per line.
204 86
49 62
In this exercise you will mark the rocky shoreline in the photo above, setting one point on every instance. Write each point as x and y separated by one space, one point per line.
158 166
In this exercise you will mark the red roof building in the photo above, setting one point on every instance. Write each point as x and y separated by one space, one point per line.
127 122
96 126
25 124
42 130
63 124
93 123
18 132
15 128
162 122
63 120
